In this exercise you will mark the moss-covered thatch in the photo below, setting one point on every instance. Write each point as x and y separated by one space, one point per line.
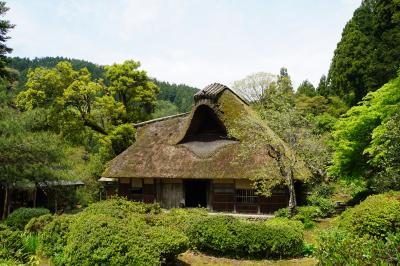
163 150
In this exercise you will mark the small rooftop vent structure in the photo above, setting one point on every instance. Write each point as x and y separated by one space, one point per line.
212 92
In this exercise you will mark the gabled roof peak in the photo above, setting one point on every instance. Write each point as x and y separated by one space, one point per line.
212 92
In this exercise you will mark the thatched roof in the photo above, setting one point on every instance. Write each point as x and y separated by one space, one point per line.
194 145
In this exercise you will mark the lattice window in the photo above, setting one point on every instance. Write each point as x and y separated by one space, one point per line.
246 196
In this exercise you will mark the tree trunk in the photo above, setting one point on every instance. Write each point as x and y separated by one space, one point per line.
93 125
288 175
34 197
292 195
6 202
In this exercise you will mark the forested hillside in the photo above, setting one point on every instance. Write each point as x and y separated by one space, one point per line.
172 98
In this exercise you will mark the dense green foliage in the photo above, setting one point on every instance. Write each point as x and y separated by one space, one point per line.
24 64
338 247
11 244
53 238
36 224
368 54
368 234
366 139
21 216
229 236
115 232
377 216
180 95
5 26
106 240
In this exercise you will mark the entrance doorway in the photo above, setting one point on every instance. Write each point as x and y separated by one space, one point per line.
196 192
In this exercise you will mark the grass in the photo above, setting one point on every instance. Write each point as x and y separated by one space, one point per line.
310 235
197 259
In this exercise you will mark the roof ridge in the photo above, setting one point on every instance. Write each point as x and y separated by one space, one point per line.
159 119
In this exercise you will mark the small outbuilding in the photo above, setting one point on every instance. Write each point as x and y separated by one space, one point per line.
191 160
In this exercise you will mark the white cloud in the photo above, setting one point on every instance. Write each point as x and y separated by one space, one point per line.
193 42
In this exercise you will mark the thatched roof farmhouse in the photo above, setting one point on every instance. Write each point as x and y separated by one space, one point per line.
191 160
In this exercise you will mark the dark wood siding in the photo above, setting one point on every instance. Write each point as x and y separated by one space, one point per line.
223 197
278 200
148 193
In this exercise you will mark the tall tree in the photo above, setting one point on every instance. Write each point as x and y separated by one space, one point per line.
363 136
25 157
133 88
306 88
254 87
323 86
5 26
368 54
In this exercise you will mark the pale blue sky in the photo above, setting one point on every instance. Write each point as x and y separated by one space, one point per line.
196 42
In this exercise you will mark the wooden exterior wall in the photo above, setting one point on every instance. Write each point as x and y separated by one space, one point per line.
222 195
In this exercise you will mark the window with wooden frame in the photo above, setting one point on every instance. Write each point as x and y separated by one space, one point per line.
246 196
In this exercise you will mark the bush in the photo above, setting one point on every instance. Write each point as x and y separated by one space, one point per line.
11 244
310 213
368 234
121 208
323 190
339 247
53 238
327 206
377 216
105 240
228 236
20 217
305 214
177 218
36 224
283 213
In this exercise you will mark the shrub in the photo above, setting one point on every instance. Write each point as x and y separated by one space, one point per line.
283 213
177 218
306 214
323 190
121 208
11 244
311 213
377 216
36 224
340 247
327 206
20 217
105 240
53 238
224 235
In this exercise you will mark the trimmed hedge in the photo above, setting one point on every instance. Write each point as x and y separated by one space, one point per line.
112 232
121 208
229 236
377 216
20 217
99 239
368 234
